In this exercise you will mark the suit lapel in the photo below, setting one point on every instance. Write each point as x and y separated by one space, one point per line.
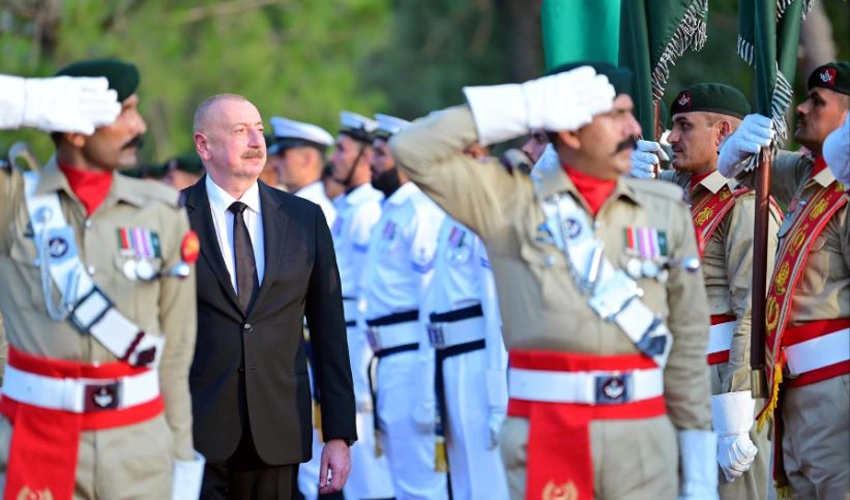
200 218
275 221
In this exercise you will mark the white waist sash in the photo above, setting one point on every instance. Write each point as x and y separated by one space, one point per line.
720 337
448 334
818 352
80 395
591 387
388 336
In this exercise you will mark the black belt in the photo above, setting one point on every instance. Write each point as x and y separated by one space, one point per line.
348 324
457 315
394 318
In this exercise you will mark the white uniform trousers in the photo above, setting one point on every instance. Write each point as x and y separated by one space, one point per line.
410 452
476 472
370 475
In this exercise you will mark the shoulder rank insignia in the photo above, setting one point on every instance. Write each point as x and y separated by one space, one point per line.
190 247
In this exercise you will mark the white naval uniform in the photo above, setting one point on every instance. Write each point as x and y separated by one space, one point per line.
399 267
308 472
356 214
463 278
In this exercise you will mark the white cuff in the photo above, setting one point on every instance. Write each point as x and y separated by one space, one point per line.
698 455
188 476
13 103
733 412
499 111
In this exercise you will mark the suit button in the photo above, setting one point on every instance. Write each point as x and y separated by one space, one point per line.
247 327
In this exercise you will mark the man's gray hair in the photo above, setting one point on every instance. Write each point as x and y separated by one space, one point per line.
201 114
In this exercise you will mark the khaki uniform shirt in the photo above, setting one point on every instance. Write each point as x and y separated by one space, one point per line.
727 266
541 308
164 306
823 291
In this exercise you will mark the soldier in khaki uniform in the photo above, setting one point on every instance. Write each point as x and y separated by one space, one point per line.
808 301
558 244
96 383
724 216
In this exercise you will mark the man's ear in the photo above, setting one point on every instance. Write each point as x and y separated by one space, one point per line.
724 128
74 139
202 145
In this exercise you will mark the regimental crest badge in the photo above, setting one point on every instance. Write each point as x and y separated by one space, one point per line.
566 491
684 99
27 494
828 76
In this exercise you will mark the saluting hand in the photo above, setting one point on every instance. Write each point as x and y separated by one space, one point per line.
335 466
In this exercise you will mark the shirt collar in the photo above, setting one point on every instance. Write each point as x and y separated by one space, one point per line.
714 182
824 177
51 179
314 187
361 193
220 200
403 193
550 179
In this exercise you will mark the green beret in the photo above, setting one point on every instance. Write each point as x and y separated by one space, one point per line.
621 78
712 98
123 76
189 163
833 76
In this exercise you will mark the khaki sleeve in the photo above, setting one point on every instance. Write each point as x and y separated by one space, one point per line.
178 320
686 377
786 171
477 193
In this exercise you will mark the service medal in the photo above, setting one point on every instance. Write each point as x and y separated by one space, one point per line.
145 270
129 269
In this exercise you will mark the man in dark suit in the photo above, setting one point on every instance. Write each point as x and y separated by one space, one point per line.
267 262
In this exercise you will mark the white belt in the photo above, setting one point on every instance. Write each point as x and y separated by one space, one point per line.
80 395
594 387
349 307
443 335
389 336
818 352
720 337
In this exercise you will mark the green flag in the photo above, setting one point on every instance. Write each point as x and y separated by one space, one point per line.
768 36
576 30
654 34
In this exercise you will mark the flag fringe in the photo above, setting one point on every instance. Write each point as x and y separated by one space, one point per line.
782 6
782 95
690 34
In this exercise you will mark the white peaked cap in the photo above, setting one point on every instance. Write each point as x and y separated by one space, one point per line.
349 120
284 128
390 124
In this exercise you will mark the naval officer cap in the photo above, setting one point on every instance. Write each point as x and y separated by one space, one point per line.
622 79
711 98
123 77
388 126
294 134
358 127
833 76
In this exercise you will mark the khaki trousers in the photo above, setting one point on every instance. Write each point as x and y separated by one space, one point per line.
632 459
816 440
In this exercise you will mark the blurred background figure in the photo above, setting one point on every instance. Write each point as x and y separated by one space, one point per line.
183 171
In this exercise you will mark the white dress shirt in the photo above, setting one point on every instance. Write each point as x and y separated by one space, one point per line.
222 218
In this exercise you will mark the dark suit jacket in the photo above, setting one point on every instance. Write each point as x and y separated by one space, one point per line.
301 279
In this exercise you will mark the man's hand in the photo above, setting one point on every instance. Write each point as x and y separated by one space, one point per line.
753 134
336 464
568 100
646 159
69 104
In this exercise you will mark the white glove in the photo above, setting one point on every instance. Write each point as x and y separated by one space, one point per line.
753 133
836 152
646 158
494 425
565 101
733 416
68 104
698 454
188 475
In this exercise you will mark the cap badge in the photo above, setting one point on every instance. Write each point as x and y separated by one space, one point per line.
828 76
685 99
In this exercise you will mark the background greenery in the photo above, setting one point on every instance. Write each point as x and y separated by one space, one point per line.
308 59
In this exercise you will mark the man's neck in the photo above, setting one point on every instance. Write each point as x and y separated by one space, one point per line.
235 187
73 158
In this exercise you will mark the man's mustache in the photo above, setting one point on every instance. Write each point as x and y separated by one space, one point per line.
135 142
630 143
253 153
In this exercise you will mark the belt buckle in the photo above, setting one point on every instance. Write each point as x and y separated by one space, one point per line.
101 396
612 388
436 336
373 335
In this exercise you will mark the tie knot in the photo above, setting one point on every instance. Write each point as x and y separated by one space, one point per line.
237 207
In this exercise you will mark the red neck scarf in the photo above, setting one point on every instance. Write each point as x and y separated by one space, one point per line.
696 179
593 189
91 187
820 165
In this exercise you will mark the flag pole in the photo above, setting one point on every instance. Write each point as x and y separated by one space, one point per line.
758 382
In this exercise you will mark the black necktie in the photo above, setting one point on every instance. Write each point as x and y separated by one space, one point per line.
247 281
